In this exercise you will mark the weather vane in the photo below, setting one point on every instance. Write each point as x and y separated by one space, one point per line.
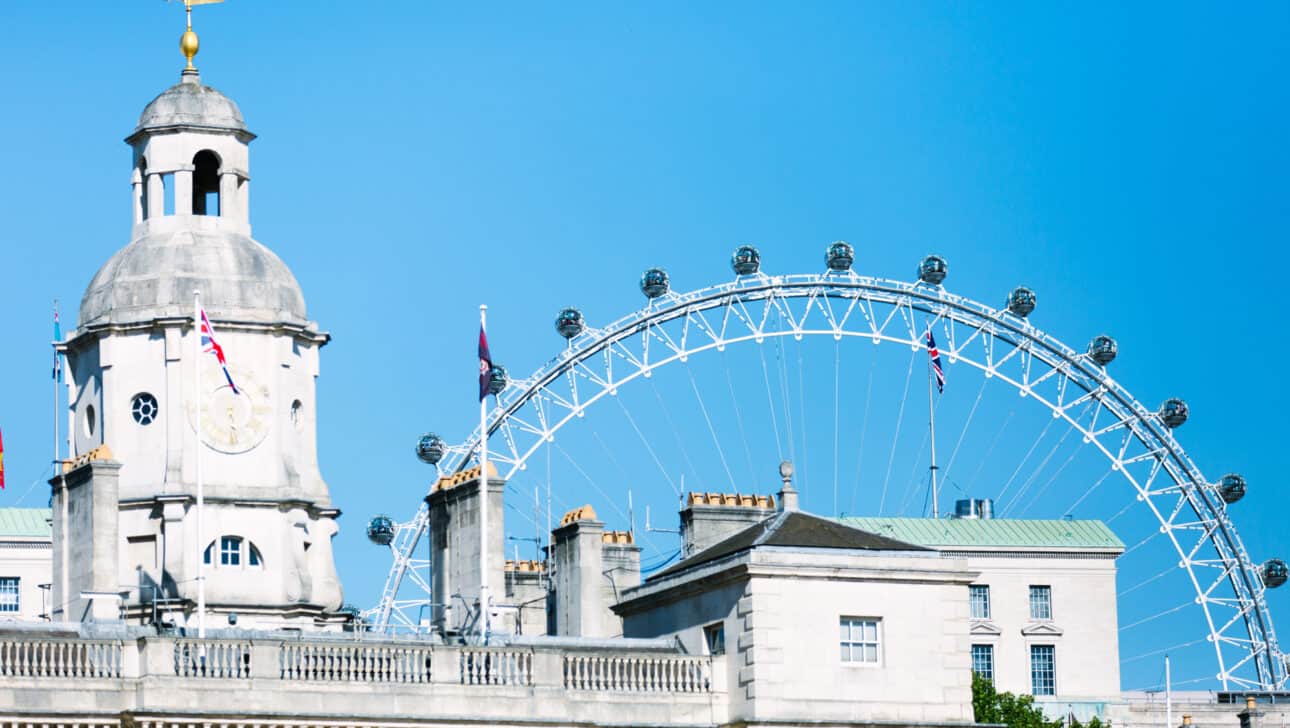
188 42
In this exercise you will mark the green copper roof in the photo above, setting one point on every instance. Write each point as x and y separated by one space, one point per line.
989 533
24 522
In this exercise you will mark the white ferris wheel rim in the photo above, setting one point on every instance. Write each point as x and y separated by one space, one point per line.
1028 344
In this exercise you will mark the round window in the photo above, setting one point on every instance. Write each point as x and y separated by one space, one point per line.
144 408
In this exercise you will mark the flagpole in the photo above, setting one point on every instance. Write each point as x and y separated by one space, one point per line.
201 500
483 500
58 436
931 414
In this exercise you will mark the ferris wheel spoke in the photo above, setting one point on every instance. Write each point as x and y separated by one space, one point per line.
900 417
648 448
703 408
864 431
964 429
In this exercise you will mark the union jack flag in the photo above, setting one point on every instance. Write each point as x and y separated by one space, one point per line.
934 355
210 346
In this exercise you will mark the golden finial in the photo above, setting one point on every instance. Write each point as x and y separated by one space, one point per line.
188 43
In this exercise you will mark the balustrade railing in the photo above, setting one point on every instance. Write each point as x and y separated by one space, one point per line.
355 663
60 658
496 666
212 658
637 673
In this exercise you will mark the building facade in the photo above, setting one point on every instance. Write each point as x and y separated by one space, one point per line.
25 564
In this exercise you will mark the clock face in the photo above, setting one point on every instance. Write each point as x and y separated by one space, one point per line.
233 422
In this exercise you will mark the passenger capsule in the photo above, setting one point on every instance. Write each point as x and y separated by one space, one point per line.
1274 573
933 270
746 260
654 283
1021 301
430 448
569 323
497 380
380 530
1231 488
1173 412
840 256
1102 349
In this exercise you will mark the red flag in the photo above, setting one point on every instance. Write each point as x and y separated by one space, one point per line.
485 365
1 461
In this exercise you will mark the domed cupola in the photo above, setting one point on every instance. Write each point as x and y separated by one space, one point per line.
192 232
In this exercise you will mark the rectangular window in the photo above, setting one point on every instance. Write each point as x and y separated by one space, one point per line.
1041 602
715 637
1043 670
979 596
230 551
9 594
860 640
983 661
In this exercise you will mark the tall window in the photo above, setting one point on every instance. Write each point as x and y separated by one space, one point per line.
1043 670
983 661
979 597
1041 602
9 594
860 640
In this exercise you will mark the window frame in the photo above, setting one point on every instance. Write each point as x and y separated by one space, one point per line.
1047 601
14 607
717 646
246 556
1051 651
988 650
984 589
846 646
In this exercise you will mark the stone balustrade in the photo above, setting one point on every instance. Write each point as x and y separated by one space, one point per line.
103 676
638 673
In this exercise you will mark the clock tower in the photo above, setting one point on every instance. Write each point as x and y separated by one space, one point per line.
125 509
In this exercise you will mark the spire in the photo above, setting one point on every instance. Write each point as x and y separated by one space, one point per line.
188 43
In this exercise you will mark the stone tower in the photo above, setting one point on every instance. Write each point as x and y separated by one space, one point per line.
125 518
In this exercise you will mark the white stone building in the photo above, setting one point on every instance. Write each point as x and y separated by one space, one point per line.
25 546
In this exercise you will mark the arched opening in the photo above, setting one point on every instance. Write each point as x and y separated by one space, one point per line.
232 551
141 191
206 183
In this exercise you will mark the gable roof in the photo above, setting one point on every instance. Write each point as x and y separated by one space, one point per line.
24 523
794 529
970 533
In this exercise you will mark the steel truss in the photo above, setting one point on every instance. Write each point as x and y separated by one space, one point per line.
673 327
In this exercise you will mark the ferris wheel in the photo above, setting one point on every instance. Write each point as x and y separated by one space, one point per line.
1187 511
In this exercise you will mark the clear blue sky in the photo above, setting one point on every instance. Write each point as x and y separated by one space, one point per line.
417 159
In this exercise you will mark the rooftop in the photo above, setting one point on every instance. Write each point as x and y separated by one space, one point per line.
992 533
24 523
796 529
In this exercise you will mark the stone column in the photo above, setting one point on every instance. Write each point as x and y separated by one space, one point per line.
184 191
156 195
228 207
136 195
